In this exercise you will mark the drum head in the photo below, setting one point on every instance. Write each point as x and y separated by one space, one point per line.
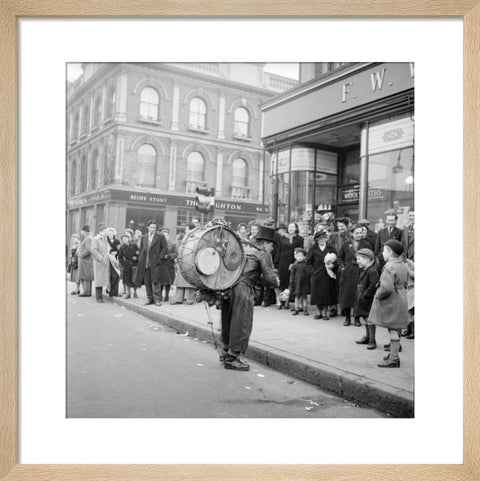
233 257
207 261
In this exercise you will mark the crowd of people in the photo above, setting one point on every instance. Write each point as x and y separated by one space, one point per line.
344 268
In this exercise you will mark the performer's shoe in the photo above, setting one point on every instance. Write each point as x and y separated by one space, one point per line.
357 322
158 303
149 303
235 364
222 355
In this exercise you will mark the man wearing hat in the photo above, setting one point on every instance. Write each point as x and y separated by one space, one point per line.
370 235
170 257
390 308
237 310
85 261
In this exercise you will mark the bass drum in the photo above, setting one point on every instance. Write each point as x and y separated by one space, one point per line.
211 258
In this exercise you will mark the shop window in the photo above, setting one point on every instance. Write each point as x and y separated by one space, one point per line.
97 112
197 114
146 166
391 182
351 167
111 100
149 104
241 123
83 174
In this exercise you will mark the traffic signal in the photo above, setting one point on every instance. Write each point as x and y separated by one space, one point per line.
205 199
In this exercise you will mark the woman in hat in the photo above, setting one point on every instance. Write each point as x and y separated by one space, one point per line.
349 273
284 255
367 285
389 308
323 284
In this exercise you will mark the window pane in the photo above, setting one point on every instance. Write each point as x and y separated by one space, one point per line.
390 182
195 166
147 160
149 102
242 119
239 172
197 115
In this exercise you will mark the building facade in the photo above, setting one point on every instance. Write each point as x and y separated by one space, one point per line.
342 142
141 137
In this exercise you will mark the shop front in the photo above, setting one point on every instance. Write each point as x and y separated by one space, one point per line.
343 145
119 207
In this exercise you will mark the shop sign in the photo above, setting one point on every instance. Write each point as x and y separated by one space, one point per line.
353 194
89 199
174 200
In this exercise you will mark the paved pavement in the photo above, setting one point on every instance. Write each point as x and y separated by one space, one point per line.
320 352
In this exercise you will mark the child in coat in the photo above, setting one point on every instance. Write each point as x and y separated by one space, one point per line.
300 281
389 308
366 287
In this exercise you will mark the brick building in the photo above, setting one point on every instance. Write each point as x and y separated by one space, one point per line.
141 137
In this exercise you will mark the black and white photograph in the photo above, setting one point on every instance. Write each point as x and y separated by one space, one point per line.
240 240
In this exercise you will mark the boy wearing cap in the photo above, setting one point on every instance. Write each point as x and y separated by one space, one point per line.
366 287
389 308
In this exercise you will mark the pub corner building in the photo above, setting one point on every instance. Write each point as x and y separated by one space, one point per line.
142 137
343 143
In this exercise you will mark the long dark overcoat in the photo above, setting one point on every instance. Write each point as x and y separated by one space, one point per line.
170 261
284 257
157 258
349 272
367 285
389 308
323 289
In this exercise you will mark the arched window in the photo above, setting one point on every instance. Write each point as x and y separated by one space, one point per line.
73 178
83 174
86 119
242 121
195 167
198 114
111 99
94 173
147 165
149 103
97 112
239 177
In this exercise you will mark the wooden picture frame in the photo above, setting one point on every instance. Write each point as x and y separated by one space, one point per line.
10 11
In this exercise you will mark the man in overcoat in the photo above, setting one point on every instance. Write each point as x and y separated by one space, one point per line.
85 261
390 232
101 262
152 268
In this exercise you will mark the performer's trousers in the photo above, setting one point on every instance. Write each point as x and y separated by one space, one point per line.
237 319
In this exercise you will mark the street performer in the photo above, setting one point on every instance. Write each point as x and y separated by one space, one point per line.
237 309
